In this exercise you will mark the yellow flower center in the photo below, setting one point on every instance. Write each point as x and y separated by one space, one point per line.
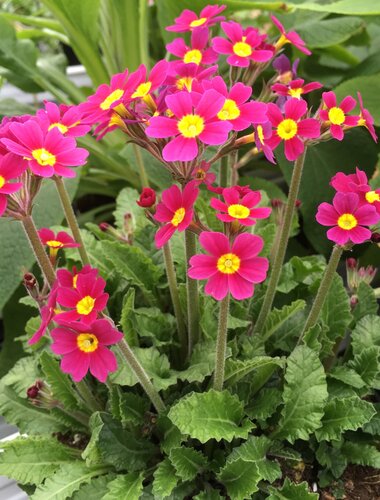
287 129
54 244
260 133
186 81
2 181
85 305
230 111
296 92
142 90
347 221
238 211
117 120
114 96
336 116
193 56
198 22
62 128
87 342
362 122
372 196
75 279
43 157
191 126
242 49
228 263
178 216
200 174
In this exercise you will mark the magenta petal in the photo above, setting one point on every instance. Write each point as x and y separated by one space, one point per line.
260 213
239 287
327 215
247 245
231 195
256 112
367 215
214 243
102 362
337 132
217 204
180 149
295 108
164 234
221 45
293 148
338 235
180 103
345 202
347 104
77 364
360 234
251 199
172 198
261 55
161 127
217 286
309 128
254 270
329 99
215 133
210 104
203 266
3 204
64 341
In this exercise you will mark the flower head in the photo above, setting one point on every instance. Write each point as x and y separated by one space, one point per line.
67 119
290 128
56 241
189 21
261 135
11 167
239 208
289 37
229 268
141 86
47 152
83 348
147 198
201 174
69 279
295 88
175 211
243 46
347 218
194 118
182 76
366 119
48 312
336 116
197 53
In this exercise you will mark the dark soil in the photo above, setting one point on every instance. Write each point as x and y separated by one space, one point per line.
357 483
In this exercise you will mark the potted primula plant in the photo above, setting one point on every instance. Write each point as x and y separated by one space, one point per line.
180 353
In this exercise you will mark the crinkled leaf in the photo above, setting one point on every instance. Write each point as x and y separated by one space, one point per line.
240 478
366 364
373 426
331 458
236 369
165 479
292 491
208 495
366 334
126 487
187 462
348 376
277 317
126 204
361 454
264 404
300 270
367 303
154 325
171 436
201 364
127 316
95 490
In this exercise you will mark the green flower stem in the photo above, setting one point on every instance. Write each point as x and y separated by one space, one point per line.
70 217
140 164
221 344
86 394
173 287
282 238
223 172
192 295
141 375
323 289
38 249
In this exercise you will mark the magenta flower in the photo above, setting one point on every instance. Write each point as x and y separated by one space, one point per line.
11 167
195 118
69 279
175 211
67 119
357 183
289 37
239 113
144 85
336 116
189 21
83 348
347 218
238 208
182 76
201 174
295 88
47 314
197 53
229 268
290 128
85 300
261 135
285 69
56 241
243 47
48 152
366 119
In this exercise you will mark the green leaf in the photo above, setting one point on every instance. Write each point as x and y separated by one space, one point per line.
61 385
171 436
210 415
165 479
292 491
126 320
126 487
367 303
264 404
347 375
328 32
22 375
366 334
361 454
240 478
132 408
373 426
208 495
95 490
237 369
277 318
267 233
366 364
32 459
154 325
304 396
300 270
347 7
187 462
126 204
331 457
342 415
201 364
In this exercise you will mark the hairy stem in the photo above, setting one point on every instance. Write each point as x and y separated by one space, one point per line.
221 344
71 218
86 394
140 164
38 249
192 295
282 238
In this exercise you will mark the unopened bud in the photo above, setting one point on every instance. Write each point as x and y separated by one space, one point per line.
104 226
276 203
34 390
353 301
351 263
31 285
298 203
147 198
375 237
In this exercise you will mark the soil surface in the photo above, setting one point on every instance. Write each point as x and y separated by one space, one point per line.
357 483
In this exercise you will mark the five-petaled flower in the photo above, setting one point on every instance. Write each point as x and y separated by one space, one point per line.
189 21
141 86
195 118
11 167
56 241
243 47
83 348
229 268
48 312
295 88
289 37
336 116
290 128
348 219
67 119
240 209
175 211
197 53
201 174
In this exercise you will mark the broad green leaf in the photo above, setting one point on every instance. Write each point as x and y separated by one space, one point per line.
126 487
292 491
95 490
264 404
300 270
22 375
201 364
187 462
277 318
366 364
332 458
347 375
366 334
367 303
126 319
66 481
342 415
154 327
165 479
210 415
329 32
132 408
346 7
361 454
304 396
32 459
267 233
240 478
373 426
170 435
237 369
208 495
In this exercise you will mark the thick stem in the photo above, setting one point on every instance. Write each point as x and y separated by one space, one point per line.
140 164
70 217
323 289
221 344
173 287
141 375
283 238
38 249
192 295
86 394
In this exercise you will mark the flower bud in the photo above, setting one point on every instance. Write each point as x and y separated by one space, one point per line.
104 226
31 285
147 198
351 263
375 237
298 203
276 203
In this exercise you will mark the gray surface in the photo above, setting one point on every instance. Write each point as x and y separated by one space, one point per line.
9 489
